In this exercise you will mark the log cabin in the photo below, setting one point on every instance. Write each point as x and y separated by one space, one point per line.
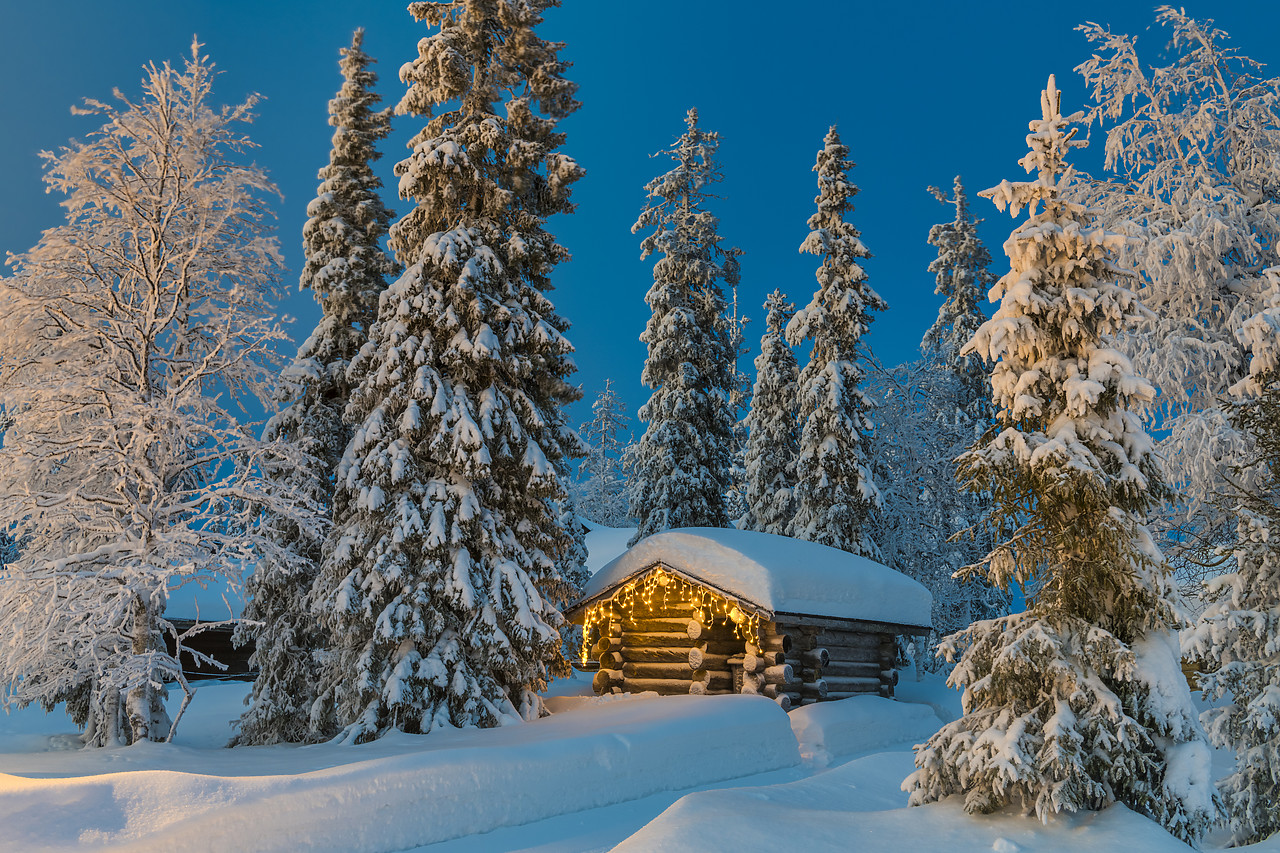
706 610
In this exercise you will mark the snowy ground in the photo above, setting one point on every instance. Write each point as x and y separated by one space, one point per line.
646 774
640 773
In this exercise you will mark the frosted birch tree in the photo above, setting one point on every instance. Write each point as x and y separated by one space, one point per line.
681 465
1235 638
131 330
601 491
346 270
442 577
1078 702
836 495
772 427
1194 151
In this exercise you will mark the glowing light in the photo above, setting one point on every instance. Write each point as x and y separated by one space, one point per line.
670 592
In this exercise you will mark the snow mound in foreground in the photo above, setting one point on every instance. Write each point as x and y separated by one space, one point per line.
858 724
605 754
852 807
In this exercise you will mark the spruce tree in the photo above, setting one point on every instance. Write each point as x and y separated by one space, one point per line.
601 493
929 413
346 270
442 576
1079 701
962 278
836 495
681 465
1235 638
773 431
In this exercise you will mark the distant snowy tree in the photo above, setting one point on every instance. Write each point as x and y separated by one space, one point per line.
601 491
773 433
442 577
681 465
735 497
129 331
346 270
1235 638
929 412
836 495
1079 701
930 529
1194 146
962 277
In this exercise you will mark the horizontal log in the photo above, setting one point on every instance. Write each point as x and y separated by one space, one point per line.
784 701
604 679
713 678
648 625
772 638
865 685
664 686
889 677
853 669
815 688
610 660
816 657
849 694
699 658
694 629
663 639
697 688
779 674
853 641
799 620
653 655
657 670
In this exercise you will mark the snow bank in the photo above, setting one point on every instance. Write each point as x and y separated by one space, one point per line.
841 809
859 724
777 574
608 753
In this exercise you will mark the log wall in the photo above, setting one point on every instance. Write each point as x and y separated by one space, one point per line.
660 648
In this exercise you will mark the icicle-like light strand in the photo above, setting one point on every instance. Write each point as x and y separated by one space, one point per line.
668 590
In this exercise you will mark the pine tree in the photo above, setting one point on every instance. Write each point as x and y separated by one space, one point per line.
773 430
681 465
132 330
1235 638
441 579
346 270
735 496
601 491
1079 701
836 496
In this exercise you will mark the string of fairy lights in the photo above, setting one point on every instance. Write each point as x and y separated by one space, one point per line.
667 590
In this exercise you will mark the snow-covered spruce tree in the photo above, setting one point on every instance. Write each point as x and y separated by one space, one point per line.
962 277
1079 701
772 428
441 579
735 496
1194 150
1235 638
928 413
129 331
346 270
680 468
601 490
836 496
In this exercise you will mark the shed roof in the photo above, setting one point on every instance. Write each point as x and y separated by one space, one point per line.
774 575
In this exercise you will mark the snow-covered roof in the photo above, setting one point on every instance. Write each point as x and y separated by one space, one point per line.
774 574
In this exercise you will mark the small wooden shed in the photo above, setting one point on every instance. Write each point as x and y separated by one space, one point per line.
708 610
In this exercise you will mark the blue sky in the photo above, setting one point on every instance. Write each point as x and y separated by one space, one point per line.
921 91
